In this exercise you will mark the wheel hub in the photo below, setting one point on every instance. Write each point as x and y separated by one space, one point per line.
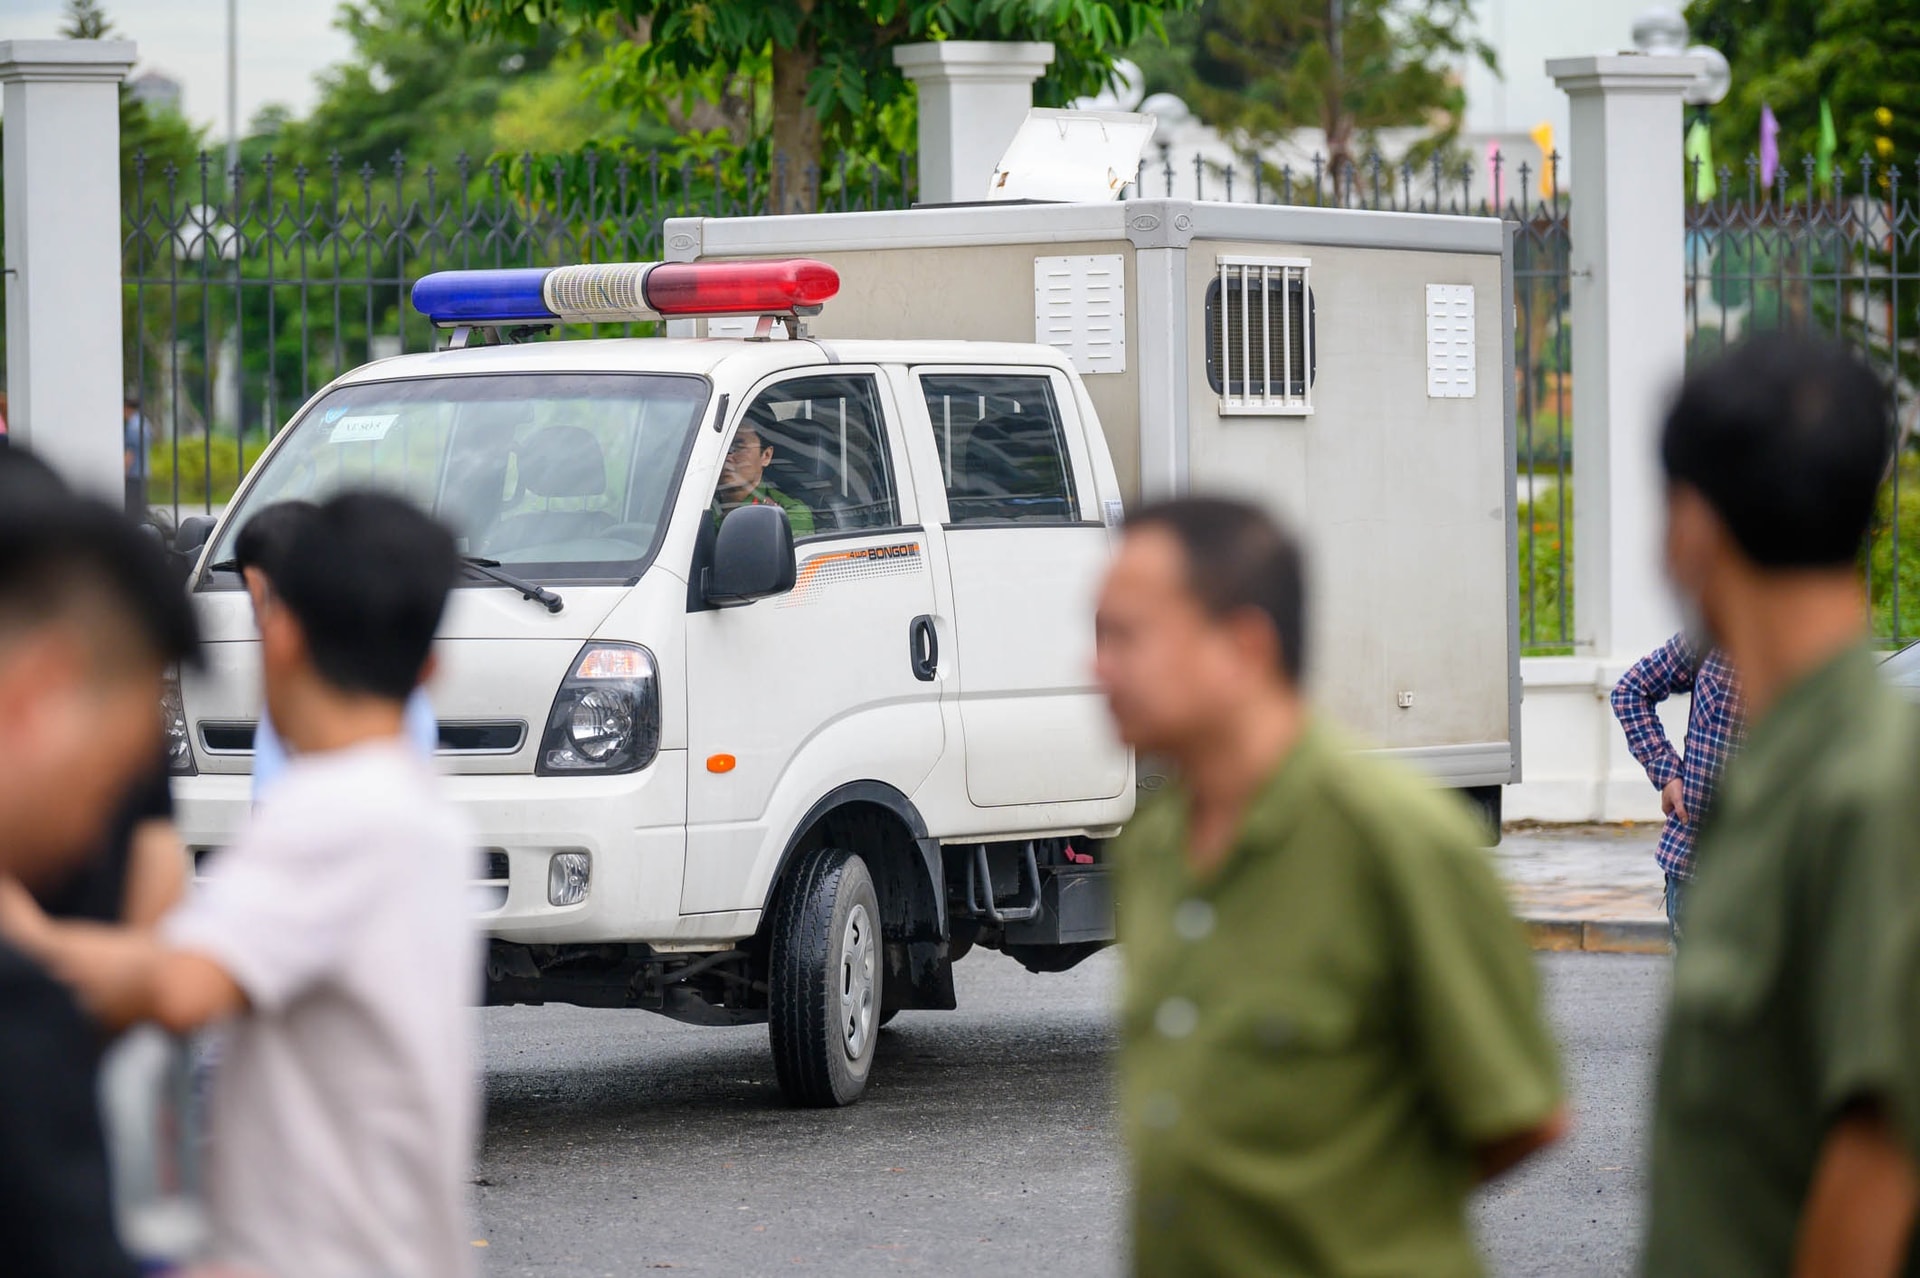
858 963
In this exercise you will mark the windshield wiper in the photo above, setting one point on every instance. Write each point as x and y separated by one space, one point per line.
528 590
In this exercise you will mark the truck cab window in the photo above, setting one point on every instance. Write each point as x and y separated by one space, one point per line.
1003 451
817 447
561 475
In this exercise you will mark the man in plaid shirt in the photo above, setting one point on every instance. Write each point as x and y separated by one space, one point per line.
1685 781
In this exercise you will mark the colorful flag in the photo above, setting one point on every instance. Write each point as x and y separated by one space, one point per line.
1769 145
1829 143
1542 136
1699 154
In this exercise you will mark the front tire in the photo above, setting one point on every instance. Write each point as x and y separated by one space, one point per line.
823 1012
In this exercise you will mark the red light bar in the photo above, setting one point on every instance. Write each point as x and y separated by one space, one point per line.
795 286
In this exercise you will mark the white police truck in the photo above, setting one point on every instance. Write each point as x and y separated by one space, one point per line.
778 758
769 681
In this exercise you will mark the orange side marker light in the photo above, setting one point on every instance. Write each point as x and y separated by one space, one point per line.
721 762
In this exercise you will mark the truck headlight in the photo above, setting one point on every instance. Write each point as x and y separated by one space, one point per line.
173 722
606 717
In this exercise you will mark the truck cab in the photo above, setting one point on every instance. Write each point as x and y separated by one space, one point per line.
768 683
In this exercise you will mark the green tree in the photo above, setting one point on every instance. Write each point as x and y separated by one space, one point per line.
84 20
1259 69
1862 56
830 72
413 87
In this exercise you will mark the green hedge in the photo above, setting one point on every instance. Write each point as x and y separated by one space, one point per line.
1542 631
1892 565
1893 556
196 488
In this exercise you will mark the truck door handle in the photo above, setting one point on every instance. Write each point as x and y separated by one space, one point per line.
923 648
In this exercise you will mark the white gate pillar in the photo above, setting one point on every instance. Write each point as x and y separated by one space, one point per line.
1629 337
61 100
974 94
1629 349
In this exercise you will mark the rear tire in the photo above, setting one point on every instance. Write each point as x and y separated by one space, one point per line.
823 1005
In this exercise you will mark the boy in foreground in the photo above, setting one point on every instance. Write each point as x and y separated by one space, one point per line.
258 553
1330 1028
333 937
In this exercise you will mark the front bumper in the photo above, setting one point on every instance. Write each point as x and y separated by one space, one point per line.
633 828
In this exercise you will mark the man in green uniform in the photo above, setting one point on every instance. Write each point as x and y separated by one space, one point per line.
1331 1029
743 482
1785 1069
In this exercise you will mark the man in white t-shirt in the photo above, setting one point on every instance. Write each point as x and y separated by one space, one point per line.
333 938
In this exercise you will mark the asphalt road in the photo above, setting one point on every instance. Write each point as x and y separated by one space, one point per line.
621 1142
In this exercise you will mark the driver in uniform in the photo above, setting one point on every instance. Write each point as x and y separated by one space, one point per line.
743 482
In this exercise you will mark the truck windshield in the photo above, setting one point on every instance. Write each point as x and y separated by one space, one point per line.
562 476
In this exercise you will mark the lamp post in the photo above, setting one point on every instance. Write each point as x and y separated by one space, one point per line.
1662 32
233 87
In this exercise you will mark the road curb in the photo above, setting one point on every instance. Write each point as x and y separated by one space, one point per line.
1599 936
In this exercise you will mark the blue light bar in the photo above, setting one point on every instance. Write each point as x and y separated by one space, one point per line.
481 297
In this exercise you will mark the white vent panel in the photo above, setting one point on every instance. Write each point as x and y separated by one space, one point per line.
1450 367
1080 307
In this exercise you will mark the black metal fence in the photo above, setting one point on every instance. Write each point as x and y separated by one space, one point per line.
1838 257
248 290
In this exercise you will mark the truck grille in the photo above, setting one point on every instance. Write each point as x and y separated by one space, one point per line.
474 736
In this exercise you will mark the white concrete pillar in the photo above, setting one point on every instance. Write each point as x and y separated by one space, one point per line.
1629 336
973 96
62 105
1629 349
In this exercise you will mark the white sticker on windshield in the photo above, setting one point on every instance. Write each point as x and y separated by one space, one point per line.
358 430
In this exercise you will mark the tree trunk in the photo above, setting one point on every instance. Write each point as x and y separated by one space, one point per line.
1337 121
733 112
796 131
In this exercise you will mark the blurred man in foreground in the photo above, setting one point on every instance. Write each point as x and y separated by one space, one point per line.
333 935
89 618
1774 1145
1331 1028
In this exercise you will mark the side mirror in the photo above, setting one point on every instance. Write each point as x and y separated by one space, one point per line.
752 557
192 534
